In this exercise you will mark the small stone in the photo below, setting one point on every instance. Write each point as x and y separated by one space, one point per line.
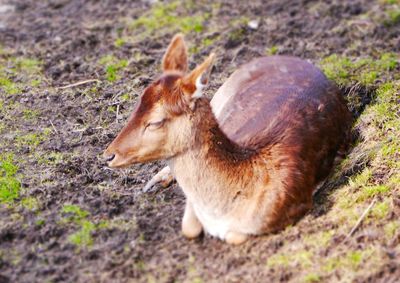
6 8
253 24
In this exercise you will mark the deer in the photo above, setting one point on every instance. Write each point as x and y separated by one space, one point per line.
249 161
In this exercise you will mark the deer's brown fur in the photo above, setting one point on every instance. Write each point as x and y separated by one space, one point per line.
249 164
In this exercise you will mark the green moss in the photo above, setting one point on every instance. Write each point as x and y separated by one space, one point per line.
74 212
344 70
28 65
79 217
387 62
362 179
36 82
302 258
207 42
112 66
40 222
380 210
278 260
237 34
372 191
171 17
336 68
320 239
51 158
30 114
312 278
8 86
391 228
112 109
354 258
19 72
272 50
392 1
125 97
30 203
393 16
350 260
10 186
368 78
119 42
83 237
394 181
32 140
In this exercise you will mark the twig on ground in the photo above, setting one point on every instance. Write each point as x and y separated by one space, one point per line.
79 130
54 128
80 83
117 114
360 220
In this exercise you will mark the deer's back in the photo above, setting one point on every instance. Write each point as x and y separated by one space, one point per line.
287 102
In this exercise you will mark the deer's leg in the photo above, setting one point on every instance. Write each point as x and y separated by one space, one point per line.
164 177
191 226
235 238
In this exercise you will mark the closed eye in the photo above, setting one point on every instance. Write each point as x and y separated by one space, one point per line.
155 125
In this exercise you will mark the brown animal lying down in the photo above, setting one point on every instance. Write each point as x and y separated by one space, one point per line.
248 164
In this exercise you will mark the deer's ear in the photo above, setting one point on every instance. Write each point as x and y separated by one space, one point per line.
176 58
198 78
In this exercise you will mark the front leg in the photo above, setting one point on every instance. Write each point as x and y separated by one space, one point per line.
235 238
191 226
164 177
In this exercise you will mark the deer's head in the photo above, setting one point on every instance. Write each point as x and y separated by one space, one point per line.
159 126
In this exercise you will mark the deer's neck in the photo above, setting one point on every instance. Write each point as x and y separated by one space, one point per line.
212 162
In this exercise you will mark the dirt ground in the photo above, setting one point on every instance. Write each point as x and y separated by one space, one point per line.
75 220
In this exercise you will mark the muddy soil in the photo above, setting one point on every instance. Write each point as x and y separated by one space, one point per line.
142 241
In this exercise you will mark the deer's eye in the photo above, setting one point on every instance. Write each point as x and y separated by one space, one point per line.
155 125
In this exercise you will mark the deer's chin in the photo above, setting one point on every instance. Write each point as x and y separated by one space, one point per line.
120 162
123 162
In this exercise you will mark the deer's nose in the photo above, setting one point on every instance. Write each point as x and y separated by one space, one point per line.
109 157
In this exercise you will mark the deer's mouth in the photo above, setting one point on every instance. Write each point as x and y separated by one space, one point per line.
120 162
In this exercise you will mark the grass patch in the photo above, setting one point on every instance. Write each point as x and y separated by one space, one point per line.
312 278
379 146
74 213
9 86
272 50
82 238
351 260
17 72
391 228
51 158
347 71
370 192
392 12
205 42
112 67
320 239
10 186
40 222
30 203
27 65
300 258
170 17
30 114
380 210
119 42
32 140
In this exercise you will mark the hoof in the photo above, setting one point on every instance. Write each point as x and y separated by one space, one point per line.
235 238
191 232
191 229
164 177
